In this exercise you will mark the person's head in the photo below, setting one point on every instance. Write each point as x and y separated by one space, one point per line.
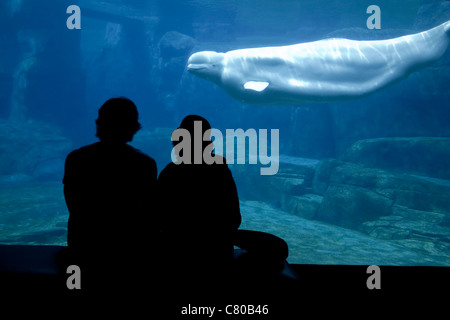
196 126
190 121
117 121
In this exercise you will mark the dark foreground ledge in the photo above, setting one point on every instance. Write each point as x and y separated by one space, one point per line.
34 270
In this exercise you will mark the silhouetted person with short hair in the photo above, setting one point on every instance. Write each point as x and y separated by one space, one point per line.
200 208
109 188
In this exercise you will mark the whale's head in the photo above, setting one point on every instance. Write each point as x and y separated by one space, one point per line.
207 65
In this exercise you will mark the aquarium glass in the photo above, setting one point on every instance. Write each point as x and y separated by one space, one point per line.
360 177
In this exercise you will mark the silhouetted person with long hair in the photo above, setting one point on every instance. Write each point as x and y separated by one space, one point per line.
109 190
201 206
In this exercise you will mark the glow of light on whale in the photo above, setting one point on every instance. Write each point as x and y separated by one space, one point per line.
320 71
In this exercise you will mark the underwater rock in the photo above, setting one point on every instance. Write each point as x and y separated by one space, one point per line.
172 52
287 183
33 212
424 196
393 229
304 206
424 156
354 196
426 232
383 229
416 192
322 175
417 215
175 44
348 206
294 178
384 204
32 148
316 242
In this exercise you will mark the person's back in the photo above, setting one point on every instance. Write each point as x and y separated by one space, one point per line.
200 211
202 207
109 190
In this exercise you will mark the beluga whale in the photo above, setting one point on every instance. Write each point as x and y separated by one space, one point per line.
320 71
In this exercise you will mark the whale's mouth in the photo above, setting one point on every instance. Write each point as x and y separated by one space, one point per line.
195 67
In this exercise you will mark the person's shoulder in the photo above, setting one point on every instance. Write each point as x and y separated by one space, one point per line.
77 160
169 167
220 163
135 151
220 160
141 155
88 149
171 170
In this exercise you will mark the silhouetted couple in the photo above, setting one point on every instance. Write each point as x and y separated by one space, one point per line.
126 225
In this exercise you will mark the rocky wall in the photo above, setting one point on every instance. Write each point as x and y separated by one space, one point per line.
383 203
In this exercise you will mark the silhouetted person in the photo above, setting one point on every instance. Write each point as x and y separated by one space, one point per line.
200 207
109 190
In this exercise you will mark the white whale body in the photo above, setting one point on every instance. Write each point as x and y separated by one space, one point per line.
320 71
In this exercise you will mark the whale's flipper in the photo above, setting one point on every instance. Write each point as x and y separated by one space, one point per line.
256 85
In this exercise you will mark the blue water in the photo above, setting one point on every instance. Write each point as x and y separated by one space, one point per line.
383 200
